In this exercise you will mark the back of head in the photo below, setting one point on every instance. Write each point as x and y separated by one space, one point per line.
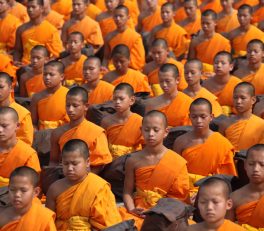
126 87
246 7
201 101
41 48
250 88
79 91
225 53
159 42
79 34
124 8
211 13
256 147
121 50
156 113
256 41
28 172
195 61
76 145
59 65
11 111
7 78
169 67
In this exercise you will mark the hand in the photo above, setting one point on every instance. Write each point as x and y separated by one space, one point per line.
138 212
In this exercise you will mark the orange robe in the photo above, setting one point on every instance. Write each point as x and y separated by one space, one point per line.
100 4
179 14
35 84
227 23
55 19
239 3
63 7
20 11
52 110
193 27
258 15
95 138
229 225
214 5
133 10
149 22
245 133
38 218
20 155
92 11
88 205
205 159
6 65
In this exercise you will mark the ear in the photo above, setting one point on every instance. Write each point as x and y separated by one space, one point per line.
178 80
37 191
86 105
167 130
88 164
229 204
132 100
254 99
231 66
62 77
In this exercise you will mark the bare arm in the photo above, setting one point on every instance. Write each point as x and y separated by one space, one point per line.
55 148
18 49
64 34
34 110
51 199
106 55
22 85
192 53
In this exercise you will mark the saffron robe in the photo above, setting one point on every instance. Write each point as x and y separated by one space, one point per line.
19 11
214 5
34 85
179 14
258 15
227 23
55 19
6 65
63 7
92 11
150 21
193 27
229 225
239 3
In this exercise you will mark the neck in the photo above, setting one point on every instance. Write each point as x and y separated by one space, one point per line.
37 21
37 71
155 150
213 226
54 89
256 187
74 123
254 66
244 115
5 103
153 9
75 56
209 34
80 16
121 29
245 28
124 115
9 144
92 85
3 15
194 88
223 79
12 3
203 134
228 10
22 211
122 72
167 24
192 18
77 181
172 95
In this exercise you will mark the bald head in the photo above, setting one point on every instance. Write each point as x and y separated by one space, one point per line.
245 85
256 147
196 62
76 145
125 87
7 78
159 42
28 172
168 67
95 59
156 113
121 50
201 101
256 41
10 112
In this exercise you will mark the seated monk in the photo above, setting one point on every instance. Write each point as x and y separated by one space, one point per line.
193 73
258 13
253 69
99 91
82 200
31 81
25 211
123 123
173 103
25 130
48 109
124 74
80 128
248 201
52 16
19 10
74 61
78 22
246 32
63 7
126 36
244 129
214 202
197 146
152 171
213 5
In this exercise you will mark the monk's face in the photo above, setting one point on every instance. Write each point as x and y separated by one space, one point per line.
244 17
3 6
242 99
37 59
222 66
52 77
5 90
159 54
121 63
190 9
200 116
111 4
91 70
75 107
192 73
167 13
168 82
254 53
34 9
226 4
8 127
74 44
120 17
122 100
152 3
78 7
208 24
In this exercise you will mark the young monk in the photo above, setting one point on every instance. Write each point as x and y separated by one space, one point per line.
193 73
25 130
74 61
122 73
24 211
79 127
213 203
52 16
82 200
31 81
173 103
240 36
123 123
35 32
99 91
248 201
152 171
78 22
253 69
19 10
126 36
48 109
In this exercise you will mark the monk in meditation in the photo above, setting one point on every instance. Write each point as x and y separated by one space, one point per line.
126 36
25 211
52 16
31 81
80 128
25 130
213 202
248 207
37 31
123 123
152 171
253 69
99 91
63 7
48 109
78 22
81 200
173 103
19 10
121 59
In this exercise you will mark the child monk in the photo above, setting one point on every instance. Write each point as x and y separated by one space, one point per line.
25 130
99 91
173 103
123 123
79 127
31 81
253 69
193 73
24 210
19 10
82 200
152 171
74 61
122 73
248 201
53 17
48 107
213 203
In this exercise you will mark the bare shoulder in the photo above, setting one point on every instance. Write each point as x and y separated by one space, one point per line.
195 227
39 96
109 77
57 133
233 33
149 67
6 216
156 29
238 195
107 121
24 27
110 35
68 24
143 14
102 16
181 142
57 188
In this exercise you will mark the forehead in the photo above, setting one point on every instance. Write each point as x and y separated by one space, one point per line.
120 12
33 3
51 68
216 189
121 92
153 120
241 90
75 37
244 11
199 108
158 48
254 46
189 3
91 62
72 155
256 155
167 8
191 65
167 74
7 117
75 98
207 18
77 1
20 180
37 52
222 57
119 57
3 81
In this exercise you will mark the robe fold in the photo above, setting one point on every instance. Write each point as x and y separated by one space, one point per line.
179 14
63 7
239 3
6 65
150 21
229 225
35 85
193 27
214 5
92 11
20 11
227 23
56 19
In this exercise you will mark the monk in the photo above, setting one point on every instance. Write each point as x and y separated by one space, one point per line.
126 36
25 130
253 69
213 5
152 171
19 10
99 91
31 81
248 201
213 203
79 127
13 151
24 210
78 22
82 200
240 36
63 7
193 73
37 31
53 17
122 73
208 43
48 109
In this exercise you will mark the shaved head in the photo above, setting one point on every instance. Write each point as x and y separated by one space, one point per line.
224 53
250 88
28 172
159 42
11 112
168 67
7 78
93 58
156 113
121 50
256 147
78 91
76 145
195 61
126 87
201 101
